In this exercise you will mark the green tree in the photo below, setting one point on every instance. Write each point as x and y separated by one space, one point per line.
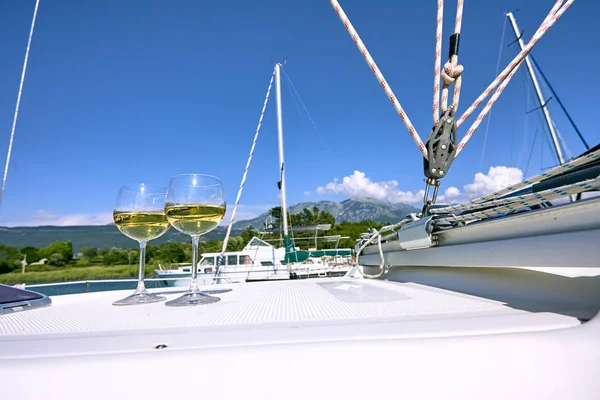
171 252
89 252
57 259
235 243
325 218
311 217
214 246
275 213
188 253
115 256
32 253
132 257
8 256
151 252
248 233
64 248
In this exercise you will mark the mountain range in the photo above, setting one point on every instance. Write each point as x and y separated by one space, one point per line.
351 210
105 236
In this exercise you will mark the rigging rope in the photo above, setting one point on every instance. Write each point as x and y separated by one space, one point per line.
560 103
506 75
512 204
487 127
14 124
499 207
568 166
239 194
531 150
388 90
451 73
291 84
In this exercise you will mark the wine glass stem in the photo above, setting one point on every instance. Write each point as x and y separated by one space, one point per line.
141 287
194 283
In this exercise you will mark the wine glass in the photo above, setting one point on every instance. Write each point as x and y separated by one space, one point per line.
139 214
195 205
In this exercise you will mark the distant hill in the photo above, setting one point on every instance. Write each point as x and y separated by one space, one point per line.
347 210
106 236
100 236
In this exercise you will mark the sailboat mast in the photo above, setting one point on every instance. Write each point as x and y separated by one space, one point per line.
280 144
538 91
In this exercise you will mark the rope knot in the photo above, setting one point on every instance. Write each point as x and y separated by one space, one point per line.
451 72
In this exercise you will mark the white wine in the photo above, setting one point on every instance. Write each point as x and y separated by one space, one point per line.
141 226
194 219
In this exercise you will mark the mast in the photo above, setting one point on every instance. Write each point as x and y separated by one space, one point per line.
538 92
281 157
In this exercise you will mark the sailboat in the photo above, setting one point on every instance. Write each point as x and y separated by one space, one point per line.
260 260
300 262
452 331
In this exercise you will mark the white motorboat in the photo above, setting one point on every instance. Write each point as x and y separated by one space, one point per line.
258 261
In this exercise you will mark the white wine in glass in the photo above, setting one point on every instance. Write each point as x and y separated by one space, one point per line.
139 214
195 205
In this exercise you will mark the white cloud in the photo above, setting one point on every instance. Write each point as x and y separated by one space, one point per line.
451 193
245 212
42 217
358 185
496 179
307 193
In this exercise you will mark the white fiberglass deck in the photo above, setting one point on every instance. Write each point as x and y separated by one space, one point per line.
297 339
267 312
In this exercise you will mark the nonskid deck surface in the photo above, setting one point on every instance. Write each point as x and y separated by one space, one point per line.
296 311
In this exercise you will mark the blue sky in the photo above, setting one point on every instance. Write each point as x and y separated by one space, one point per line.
119 92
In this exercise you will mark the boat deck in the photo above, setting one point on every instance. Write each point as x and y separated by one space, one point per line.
260 312
285 329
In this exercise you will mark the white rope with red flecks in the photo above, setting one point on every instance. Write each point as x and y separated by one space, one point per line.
245 175
502 80
451 73
19 93
388 90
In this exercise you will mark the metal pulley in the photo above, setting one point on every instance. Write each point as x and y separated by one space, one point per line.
441 146
441 150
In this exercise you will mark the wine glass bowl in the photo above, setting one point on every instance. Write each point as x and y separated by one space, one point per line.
194 205
139 214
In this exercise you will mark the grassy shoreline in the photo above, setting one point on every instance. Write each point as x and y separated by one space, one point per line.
75 274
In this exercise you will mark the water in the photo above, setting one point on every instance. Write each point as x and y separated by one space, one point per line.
92 286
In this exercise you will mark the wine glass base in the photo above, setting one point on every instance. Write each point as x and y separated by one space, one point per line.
192 299
139 298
